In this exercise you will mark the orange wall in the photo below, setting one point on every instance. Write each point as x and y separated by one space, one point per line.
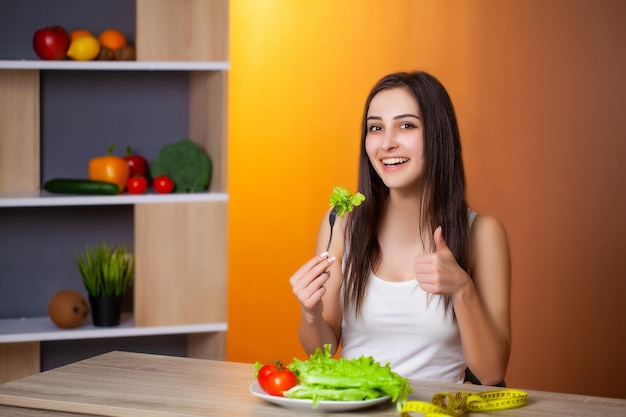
539 90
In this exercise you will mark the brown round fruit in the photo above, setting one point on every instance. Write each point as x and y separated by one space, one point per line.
106 54
125 53
68 309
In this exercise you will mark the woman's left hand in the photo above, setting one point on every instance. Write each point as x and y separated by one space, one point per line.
438 272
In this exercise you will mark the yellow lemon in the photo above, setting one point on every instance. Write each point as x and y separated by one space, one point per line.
84 48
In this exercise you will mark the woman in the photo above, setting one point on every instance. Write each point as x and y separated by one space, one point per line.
413 277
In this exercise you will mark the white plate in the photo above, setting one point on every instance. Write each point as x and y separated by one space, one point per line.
307 405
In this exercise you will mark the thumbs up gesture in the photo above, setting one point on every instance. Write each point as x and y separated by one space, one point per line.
438 272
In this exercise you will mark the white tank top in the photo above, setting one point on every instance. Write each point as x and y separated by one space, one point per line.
400 325
419 339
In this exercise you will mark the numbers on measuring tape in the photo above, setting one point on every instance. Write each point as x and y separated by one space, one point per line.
446 404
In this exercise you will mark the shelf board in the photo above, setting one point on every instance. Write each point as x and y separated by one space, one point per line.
45 199
40 329
115 65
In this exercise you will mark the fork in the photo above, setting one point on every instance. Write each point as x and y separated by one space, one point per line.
331 219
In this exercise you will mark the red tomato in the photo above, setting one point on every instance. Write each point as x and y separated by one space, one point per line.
163 184
279 381
264 372
274 378
137 185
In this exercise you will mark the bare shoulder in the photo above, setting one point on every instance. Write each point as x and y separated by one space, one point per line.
339 222
339 231
342 221
488 229
489 244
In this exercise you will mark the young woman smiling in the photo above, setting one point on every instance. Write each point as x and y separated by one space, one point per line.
413 277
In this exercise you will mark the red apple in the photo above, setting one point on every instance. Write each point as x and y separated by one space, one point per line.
51 42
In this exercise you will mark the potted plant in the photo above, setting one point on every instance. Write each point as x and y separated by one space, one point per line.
107 273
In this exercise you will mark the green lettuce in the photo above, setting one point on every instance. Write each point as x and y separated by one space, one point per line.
323 377
343 201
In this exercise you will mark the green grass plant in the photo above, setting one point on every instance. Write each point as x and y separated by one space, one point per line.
106 271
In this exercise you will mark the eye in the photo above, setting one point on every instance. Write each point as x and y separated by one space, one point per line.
407 125
374 128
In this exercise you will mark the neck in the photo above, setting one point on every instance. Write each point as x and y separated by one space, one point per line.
402 214
403 203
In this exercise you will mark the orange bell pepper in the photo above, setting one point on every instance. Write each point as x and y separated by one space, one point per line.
110 168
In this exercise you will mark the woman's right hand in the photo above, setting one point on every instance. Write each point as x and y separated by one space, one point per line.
307 284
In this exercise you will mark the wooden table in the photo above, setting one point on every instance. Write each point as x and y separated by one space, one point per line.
134 384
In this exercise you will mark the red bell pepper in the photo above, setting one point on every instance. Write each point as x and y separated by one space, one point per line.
138 164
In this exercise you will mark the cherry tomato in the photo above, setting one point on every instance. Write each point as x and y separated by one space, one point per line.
265 370
163 184
137 185
274 378
279 381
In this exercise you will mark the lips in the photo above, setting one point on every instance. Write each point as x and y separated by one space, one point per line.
394 161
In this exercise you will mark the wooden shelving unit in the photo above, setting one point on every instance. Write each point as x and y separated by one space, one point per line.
43 199
114 65
41 329
180 239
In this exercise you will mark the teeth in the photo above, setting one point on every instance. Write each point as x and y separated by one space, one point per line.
393 161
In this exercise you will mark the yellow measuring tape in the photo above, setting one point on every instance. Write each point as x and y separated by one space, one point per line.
445 404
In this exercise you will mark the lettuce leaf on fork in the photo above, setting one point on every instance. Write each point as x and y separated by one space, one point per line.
343 201
322 377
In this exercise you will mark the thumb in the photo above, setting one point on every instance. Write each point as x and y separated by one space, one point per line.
440 243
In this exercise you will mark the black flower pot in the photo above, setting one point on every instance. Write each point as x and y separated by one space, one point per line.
106 311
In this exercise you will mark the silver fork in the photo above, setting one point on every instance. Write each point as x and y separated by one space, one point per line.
331 219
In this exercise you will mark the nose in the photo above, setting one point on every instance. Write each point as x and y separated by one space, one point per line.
388 140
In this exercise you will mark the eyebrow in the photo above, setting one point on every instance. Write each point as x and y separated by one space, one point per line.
400 116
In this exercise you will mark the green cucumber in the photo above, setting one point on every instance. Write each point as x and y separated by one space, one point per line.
76 186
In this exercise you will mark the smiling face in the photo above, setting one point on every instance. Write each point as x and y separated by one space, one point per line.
395 138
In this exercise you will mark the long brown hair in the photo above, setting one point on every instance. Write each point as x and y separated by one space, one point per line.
441 195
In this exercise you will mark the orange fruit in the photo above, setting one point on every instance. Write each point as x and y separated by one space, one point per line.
112 39
80 32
